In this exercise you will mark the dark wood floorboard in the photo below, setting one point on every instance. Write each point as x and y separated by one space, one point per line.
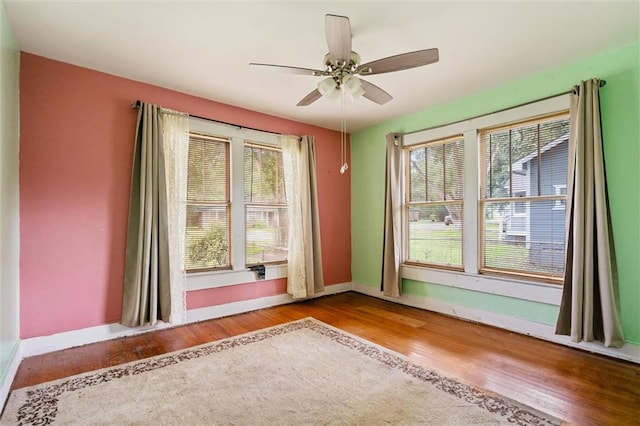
574 385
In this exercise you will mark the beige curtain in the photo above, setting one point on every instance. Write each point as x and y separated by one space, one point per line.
175 129
150 276
304 277
392 246
590 305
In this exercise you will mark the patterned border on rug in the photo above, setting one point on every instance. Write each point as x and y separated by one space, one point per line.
41 406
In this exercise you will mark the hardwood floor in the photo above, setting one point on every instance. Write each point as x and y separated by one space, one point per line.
577 386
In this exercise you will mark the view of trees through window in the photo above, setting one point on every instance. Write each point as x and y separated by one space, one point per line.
434 205
266 218
207 233
208 228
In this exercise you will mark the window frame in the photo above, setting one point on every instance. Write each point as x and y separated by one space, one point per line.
260 145
527 199
408 203
226 204
514 286
239 272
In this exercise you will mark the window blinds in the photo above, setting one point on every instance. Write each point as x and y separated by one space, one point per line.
266 218
207 233
523 194
434 206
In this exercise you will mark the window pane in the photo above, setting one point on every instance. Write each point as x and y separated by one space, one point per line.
207 173
523 162
435 178
267 233
530 242
207 237
417 174
529 158
436 171
207 225
496 154
434 228
263 176
454 170
266 217
435 234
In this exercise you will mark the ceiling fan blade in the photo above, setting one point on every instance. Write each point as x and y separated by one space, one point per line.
286 69
374 93
310 98
338 31
399 62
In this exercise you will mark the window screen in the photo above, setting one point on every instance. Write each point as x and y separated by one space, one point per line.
523 185
433 210
266 214
207 233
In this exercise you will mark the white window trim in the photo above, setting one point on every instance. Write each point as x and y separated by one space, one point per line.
470 279
558 189
240 274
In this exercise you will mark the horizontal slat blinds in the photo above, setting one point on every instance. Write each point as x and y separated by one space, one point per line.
207 233
267 220
523 195
433 212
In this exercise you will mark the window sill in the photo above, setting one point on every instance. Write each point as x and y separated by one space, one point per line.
214 279
509 287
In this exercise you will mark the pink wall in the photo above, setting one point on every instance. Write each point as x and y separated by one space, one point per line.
76 145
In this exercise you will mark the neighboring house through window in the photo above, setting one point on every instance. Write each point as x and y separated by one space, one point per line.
524 161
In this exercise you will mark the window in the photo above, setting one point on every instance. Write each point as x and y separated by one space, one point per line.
207 234
526 162
484 201
237 213
434 201
266 219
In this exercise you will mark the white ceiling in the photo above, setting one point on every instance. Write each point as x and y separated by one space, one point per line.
204 48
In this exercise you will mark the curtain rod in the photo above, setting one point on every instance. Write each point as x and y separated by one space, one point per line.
602 84
138 104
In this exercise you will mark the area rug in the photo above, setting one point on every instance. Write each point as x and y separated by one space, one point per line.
300 373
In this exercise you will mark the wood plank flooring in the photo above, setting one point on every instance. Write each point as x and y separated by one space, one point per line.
577 386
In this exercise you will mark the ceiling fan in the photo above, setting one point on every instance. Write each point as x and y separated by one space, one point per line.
342 65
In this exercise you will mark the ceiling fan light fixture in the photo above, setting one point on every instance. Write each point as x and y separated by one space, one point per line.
353 86
357 94
329 88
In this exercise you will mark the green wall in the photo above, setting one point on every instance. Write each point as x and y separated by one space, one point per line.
620 119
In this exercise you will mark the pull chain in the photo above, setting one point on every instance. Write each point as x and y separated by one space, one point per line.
343 134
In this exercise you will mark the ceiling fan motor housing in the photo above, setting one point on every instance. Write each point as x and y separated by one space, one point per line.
339 69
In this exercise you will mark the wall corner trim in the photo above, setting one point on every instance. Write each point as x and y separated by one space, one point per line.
6 380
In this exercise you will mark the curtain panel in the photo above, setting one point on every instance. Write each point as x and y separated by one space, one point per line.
305 277
153 279
590 307
392 245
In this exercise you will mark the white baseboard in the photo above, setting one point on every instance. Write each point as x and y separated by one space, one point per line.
10 374
628 352
212 312
69 339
